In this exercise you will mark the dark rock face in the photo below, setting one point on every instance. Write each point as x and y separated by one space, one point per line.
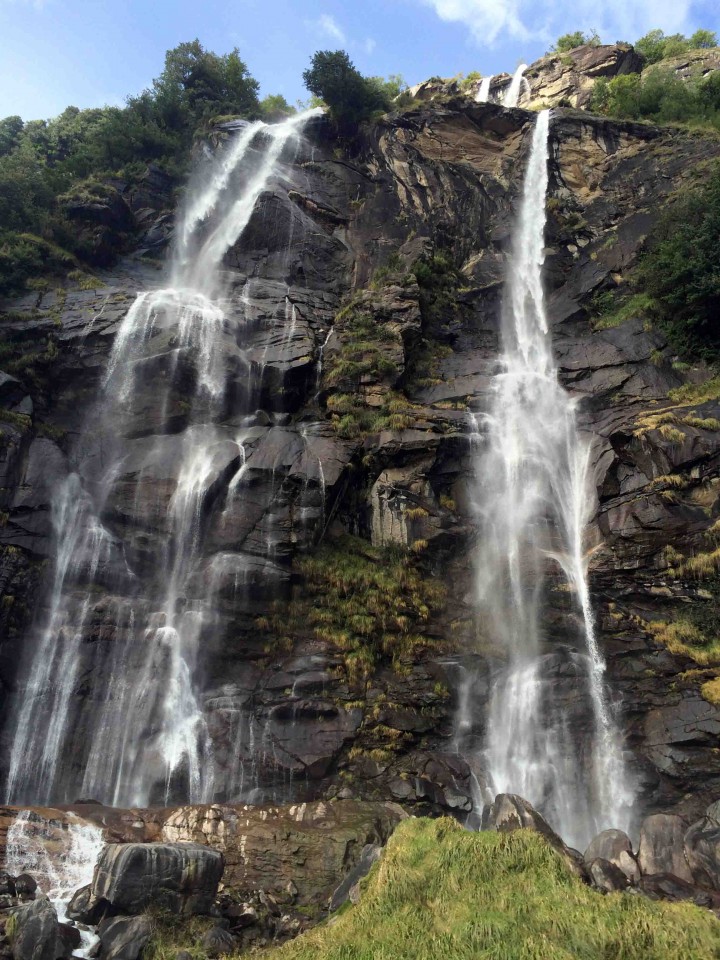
285 708
179 877
35 935
124 938
615 847
371 853
702 852
662 847
606 877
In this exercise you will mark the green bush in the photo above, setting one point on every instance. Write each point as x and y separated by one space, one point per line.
569 41
661 96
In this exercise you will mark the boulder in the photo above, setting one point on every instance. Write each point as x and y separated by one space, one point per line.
124 938
34 932
664 886
179 877
84 909
68 939
702 852
614 846
25 886
606 876
217 942
661 847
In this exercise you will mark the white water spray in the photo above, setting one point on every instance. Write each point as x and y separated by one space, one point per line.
534 504
512 93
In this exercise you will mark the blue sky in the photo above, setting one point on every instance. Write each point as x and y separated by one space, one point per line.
90 52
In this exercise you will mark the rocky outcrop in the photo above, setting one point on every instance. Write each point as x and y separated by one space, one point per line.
567 79
34 932
124 938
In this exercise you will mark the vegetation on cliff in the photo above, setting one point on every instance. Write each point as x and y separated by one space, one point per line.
441 892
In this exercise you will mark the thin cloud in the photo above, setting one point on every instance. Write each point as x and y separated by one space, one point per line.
369 45
489 20
327 26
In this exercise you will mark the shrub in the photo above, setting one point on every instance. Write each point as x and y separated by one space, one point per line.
569 41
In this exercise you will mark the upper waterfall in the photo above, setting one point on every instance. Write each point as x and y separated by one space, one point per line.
512 93
534 504
484 89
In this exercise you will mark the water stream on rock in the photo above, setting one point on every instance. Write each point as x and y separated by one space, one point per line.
60 857
512 93
163 443
484 89
550 734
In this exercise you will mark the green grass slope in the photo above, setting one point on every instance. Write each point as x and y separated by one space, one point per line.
441 893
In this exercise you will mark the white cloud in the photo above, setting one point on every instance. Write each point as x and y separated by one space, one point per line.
489 20
369 45
328 26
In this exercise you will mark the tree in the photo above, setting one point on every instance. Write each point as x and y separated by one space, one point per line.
390 87
275 107
10 130
703 40
655 46
350 96
569 41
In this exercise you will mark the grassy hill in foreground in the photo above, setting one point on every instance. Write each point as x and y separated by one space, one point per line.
441 893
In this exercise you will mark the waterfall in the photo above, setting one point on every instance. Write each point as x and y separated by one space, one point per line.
534 501
61 857
484 89
513 91
154 452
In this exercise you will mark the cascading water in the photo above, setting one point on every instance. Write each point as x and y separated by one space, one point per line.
60 857
484 90
156 449
550 736
512 93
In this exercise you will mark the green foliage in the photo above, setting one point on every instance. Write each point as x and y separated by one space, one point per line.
680 271
443 892
350 97
368 602
703 40
389 87
656 46
661 96
569 41
42 160
275 107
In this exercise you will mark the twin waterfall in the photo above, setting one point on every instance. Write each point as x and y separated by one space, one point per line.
534 502
151 454
110 707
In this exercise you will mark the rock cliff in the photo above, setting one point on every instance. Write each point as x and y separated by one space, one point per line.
371 370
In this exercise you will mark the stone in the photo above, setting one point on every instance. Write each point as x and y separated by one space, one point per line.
25 886
371 853
702 852
83 908
218 942
614 846
124 938
180 877
7 885
606 876
661 848
35 933
69 939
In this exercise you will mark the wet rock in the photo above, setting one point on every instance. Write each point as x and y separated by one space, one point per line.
25 886
35 932
179 877
124 938
702 852
7 885
241 915
665 886
606 876
69 939
84 909
661 848
614 846
371 854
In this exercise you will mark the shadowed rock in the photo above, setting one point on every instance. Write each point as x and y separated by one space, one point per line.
661 847
35 936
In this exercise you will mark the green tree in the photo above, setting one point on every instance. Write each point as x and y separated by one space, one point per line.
655 46
275 107
680 271
390 87
10 130
349 96
569 41
703 40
